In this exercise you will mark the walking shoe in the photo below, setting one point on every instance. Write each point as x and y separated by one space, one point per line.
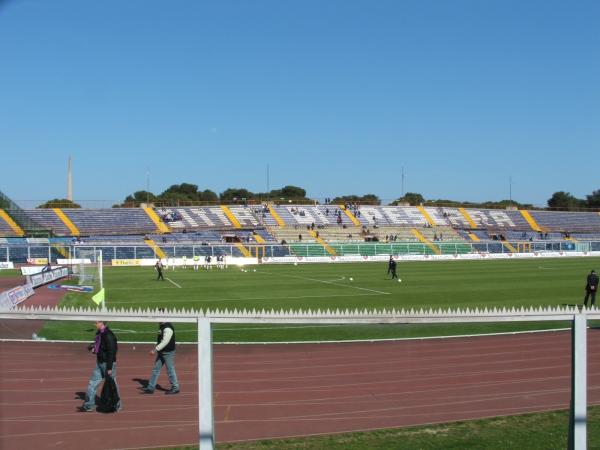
172 391
86 408
147 391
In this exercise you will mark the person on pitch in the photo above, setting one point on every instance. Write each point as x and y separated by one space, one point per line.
392 268
591 287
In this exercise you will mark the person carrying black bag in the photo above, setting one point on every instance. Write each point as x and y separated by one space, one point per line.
109 398
105 348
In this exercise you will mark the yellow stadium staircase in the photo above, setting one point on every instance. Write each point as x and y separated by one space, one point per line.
243 249
11 223
64 251
351 216
509 246
473 236
425 214
276 216
531 221
316 237
231 217
64 219
161 227
426 241
154 246
468 218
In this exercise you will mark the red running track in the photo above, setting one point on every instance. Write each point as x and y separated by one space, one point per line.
269 391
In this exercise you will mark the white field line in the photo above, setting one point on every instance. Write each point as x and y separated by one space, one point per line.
172 282
190 300
348 341
329 282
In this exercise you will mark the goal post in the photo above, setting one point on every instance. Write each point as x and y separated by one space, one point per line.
88 270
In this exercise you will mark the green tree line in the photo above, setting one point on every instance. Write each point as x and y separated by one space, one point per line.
189 194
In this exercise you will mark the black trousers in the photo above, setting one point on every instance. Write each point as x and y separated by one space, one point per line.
160 276
587 295
393 272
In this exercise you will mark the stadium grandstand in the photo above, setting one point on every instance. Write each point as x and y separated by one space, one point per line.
279 230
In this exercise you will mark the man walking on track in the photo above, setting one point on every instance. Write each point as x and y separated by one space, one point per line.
165 355
158 267
105 347
392 268
591 287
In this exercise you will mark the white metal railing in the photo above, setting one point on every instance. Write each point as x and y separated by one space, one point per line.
21 252
204 320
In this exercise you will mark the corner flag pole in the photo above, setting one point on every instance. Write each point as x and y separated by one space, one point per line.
101 275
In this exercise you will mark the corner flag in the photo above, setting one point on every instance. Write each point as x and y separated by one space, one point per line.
99 297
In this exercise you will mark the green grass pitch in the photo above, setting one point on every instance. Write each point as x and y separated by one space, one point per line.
439 284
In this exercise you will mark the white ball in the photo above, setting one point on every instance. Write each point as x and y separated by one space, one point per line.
134 347
254 270
295 264
351 279
399 280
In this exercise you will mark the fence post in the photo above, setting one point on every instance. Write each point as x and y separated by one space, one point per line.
205 388
578 412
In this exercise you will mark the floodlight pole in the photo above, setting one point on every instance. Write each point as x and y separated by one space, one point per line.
205 385
578 412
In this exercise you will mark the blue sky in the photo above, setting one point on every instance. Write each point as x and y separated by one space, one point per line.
336 96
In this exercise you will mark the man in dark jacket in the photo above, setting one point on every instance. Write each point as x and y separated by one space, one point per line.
591 287
392 267
165 355
105 347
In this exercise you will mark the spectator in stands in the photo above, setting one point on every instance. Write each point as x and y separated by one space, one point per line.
159 267
105 348
300 237
165 355
591 287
